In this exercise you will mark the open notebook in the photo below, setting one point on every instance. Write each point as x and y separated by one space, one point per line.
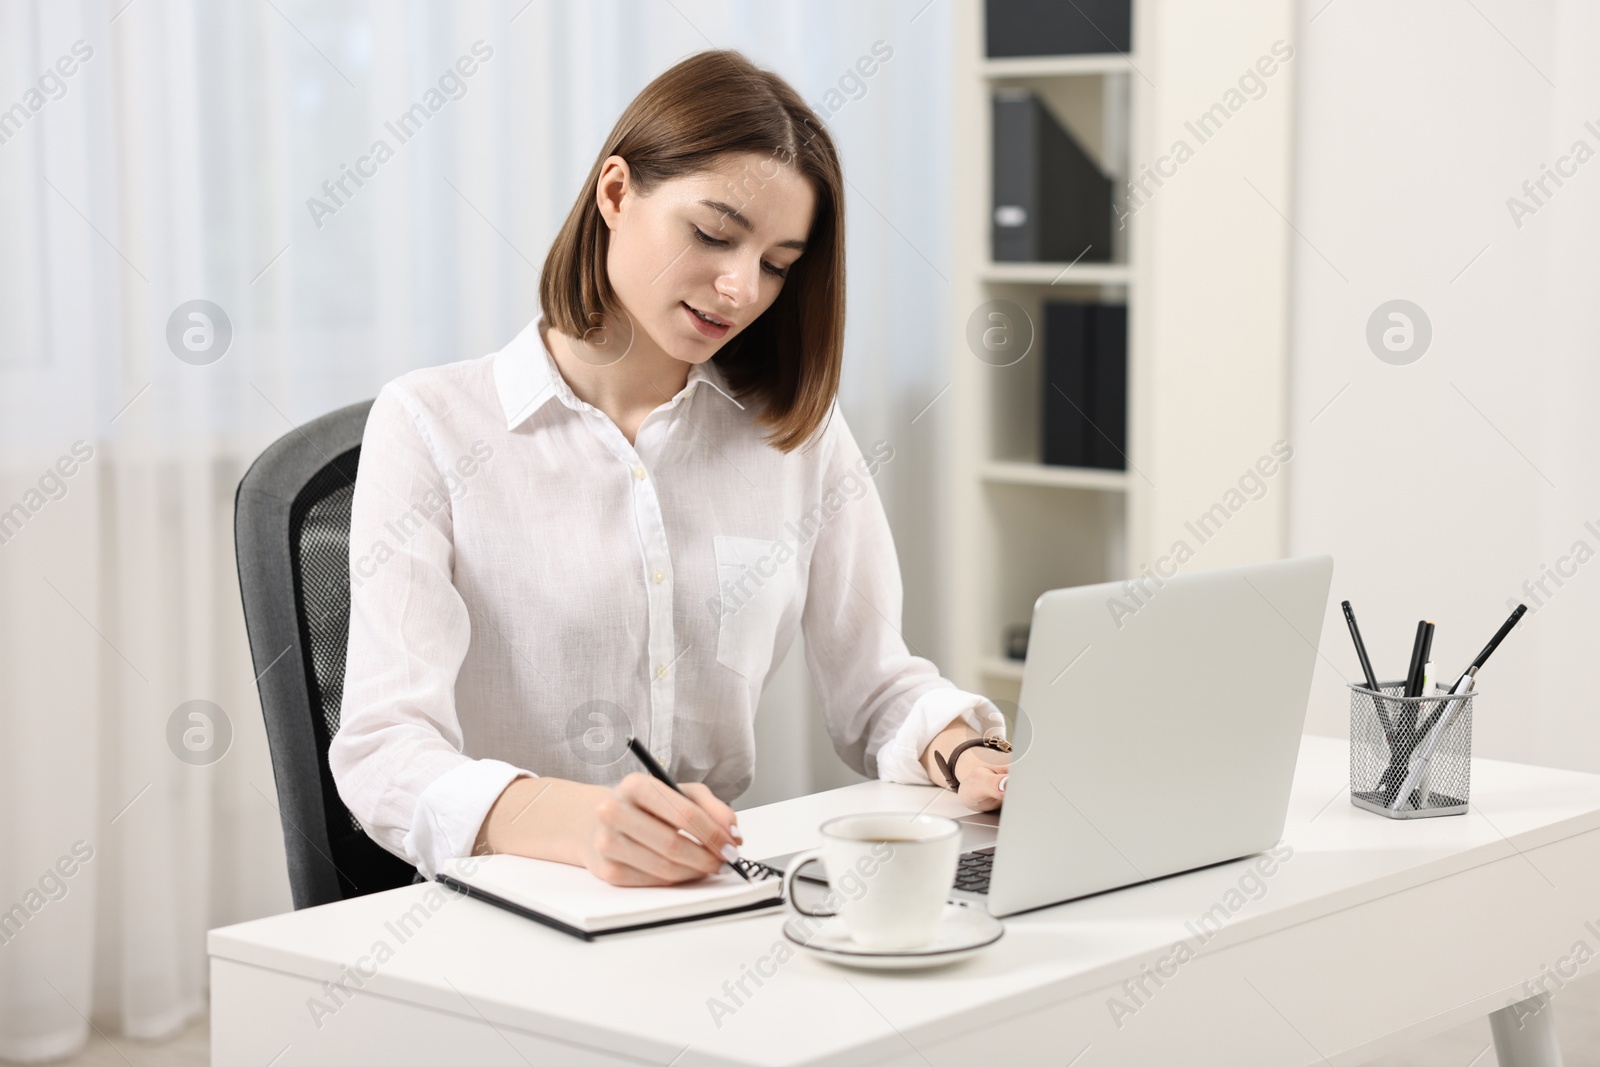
572 900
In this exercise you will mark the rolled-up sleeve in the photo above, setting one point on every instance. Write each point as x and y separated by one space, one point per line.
398 758
881 703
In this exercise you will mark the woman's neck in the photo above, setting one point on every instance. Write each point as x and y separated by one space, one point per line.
627 388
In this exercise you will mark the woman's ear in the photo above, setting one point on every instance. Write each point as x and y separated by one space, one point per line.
613 187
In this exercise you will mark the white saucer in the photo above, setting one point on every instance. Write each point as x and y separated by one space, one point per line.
961 932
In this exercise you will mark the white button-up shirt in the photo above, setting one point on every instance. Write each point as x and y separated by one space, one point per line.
527 588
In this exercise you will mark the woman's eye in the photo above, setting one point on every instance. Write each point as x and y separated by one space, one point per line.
715 242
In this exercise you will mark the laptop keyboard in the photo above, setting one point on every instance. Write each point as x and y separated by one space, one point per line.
972 874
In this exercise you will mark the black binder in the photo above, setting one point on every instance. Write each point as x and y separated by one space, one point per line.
1051 201
1085 409
1056 27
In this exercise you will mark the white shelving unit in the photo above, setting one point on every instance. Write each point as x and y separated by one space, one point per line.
1020 527
1052 66
1068 274
1016 472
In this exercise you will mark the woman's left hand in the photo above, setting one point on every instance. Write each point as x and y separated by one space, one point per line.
982 774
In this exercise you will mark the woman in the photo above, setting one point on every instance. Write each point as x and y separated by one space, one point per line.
615 524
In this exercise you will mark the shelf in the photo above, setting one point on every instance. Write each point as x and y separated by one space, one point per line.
1000 667
1056 66
1057 273
1017 527
1011 472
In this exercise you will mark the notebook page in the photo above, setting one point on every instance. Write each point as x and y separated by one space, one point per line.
573 895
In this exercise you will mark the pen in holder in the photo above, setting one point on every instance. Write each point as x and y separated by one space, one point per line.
1410 757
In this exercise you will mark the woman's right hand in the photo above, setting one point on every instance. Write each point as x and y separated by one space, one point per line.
635 841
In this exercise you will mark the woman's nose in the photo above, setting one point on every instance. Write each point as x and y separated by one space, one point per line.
741 284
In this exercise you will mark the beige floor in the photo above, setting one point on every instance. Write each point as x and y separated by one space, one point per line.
1577 1020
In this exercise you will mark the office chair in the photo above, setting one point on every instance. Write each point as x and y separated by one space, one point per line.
291 530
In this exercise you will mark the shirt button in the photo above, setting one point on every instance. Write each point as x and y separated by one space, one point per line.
661 671
659 576
638 473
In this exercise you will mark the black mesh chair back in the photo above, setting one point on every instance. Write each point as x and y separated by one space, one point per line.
291 527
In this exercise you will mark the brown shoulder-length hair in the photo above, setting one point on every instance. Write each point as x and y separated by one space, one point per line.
704 108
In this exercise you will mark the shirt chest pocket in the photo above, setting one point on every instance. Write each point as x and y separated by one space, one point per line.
757 579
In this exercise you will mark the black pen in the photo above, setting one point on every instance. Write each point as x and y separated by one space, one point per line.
1483 657
1494 642
1361 648
660 774
1366 667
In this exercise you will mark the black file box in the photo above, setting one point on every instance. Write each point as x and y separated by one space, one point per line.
1052 203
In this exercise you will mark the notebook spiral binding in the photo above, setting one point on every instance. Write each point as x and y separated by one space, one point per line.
756 870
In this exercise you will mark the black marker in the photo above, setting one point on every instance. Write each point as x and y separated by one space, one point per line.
1427 659
1407 737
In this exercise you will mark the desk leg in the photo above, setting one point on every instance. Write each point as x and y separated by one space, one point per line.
1525 1033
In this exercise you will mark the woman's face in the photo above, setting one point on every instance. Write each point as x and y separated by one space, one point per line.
702 256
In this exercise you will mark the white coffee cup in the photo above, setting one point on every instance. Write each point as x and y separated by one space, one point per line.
889 874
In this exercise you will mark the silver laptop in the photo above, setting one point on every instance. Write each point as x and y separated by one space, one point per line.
1158 732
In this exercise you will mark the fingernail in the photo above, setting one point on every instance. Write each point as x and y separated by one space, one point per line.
730 853
1003 778
734 830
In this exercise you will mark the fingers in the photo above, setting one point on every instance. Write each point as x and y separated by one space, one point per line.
983 786
631 846
629 862
725 816
680 811
652 814
984 769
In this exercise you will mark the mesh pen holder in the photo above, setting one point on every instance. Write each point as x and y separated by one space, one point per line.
1410 757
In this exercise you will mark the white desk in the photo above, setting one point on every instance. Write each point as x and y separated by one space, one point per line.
1375 933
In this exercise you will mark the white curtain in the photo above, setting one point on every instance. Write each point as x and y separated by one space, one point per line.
164 151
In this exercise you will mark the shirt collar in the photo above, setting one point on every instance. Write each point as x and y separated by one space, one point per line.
525 375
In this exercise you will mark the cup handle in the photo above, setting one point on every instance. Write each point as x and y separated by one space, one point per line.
797 861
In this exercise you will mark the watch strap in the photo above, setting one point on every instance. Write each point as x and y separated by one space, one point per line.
947 767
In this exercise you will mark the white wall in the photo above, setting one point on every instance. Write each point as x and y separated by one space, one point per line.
1441 486
1209 320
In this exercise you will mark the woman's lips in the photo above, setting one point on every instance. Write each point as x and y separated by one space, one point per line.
707 329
